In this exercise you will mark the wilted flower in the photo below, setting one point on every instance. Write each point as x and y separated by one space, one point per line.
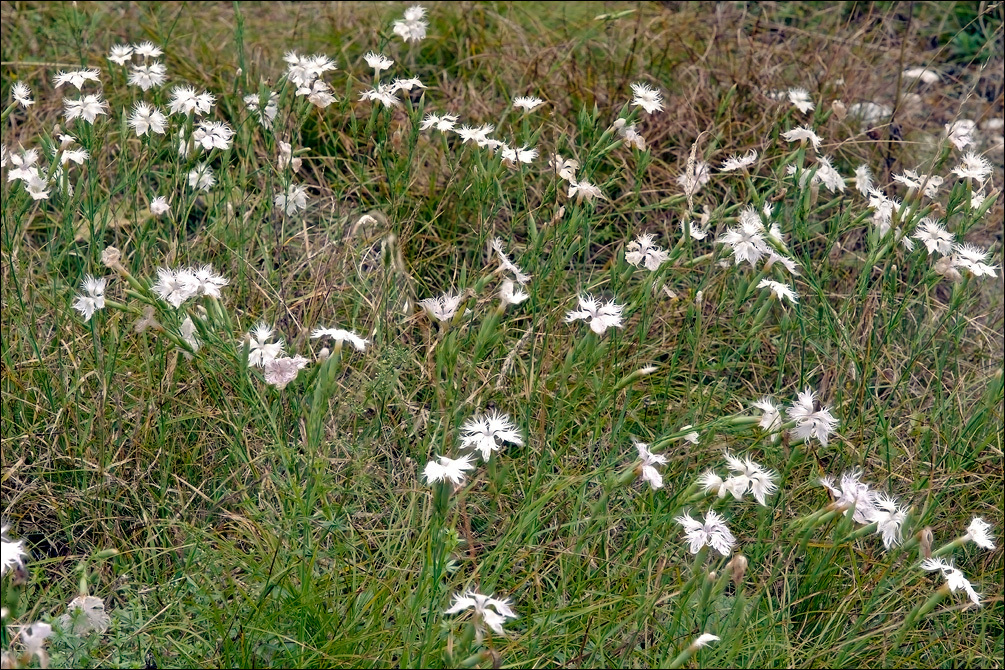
341 336
93 297
955 580
484 432
292 200
630 134
642 252
600 315
564 168
506 264
961 133
696 176
448 469
647 469
281 371
483 615
85 614
809 423
646 97
712 533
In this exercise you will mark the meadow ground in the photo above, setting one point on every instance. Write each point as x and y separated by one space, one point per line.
769 253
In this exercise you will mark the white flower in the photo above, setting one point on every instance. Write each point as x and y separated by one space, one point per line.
693 437
521 155
201 177
147 76
147 50
506 264
286 158
564 168
870 112
863 180
584 190
33 638
479 135
883 210
213 135
265 116
413 27
341 336
888 517
76 78
87 108
827 175
85 614
696 232
973 260
600 316
735 162
378 62
779 290
175 286
121 54
292 200
922 74
187 332
852 493
760 481
481 604
696 176
704 640
713 533
184 100
929 184
529 103
484 432
281 371
973 166
159 205
649 99
302 70
448 469
441 123
746 240
979 532
22 94
630 134
207 282
443 307
641 251
383 94
771 419
647 468
12 554
509 294
809 423
93 297
406 84
36 185
318 93
961 133
800 99
802 134
147 118
934 236
260 351
955 579
712 483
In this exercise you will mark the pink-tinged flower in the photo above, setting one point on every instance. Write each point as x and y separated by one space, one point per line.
281 371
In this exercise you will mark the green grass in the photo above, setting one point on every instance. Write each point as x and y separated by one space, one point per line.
253 526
